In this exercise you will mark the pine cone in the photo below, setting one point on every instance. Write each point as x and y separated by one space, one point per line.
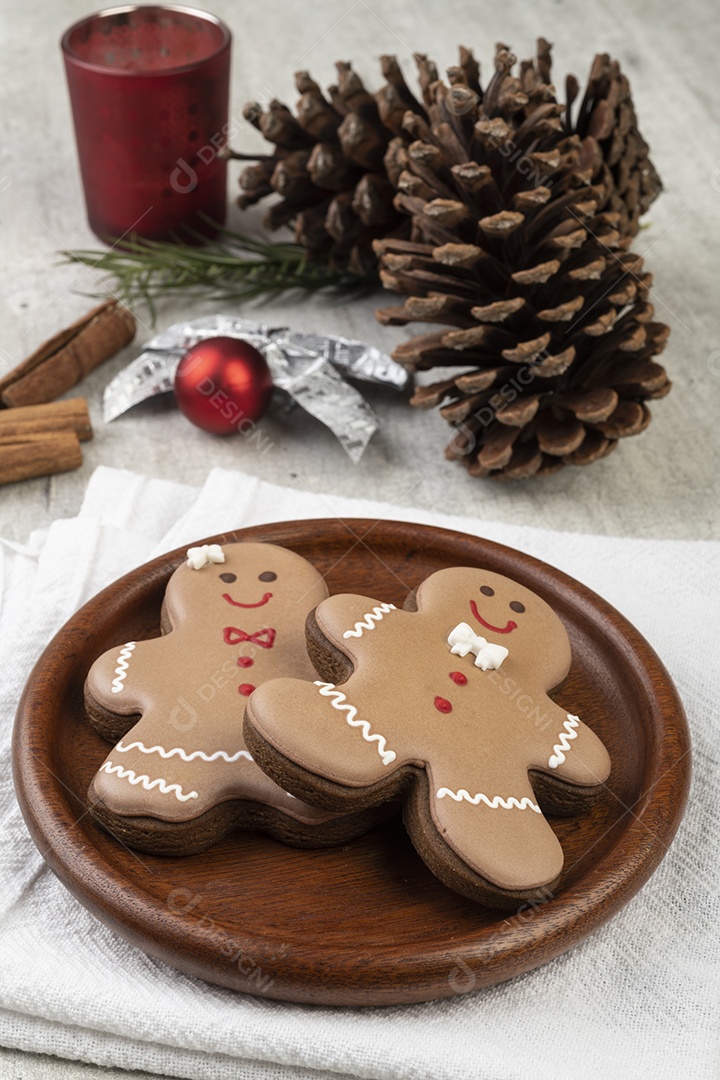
521 223
606 116
328 165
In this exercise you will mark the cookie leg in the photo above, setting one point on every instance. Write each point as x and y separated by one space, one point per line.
494 847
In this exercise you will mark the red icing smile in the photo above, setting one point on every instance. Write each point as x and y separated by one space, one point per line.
496 629
266 597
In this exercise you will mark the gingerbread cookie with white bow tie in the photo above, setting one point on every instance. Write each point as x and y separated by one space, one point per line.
181 777
445 705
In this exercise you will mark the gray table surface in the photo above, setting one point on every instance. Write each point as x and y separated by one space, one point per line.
665 483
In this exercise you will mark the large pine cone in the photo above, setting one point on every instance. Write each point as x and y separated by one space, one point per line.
521 221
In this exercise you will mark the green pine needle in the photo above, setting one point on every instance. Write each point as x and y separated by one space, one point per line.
234 267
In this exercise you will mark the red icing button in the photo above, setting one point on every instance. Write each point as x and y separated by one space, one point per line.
442 705
246 689
458 677
245 661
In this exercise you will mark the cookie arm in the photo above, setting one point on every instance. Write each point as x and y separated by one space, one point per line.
358 624
569 750
311 730
117 680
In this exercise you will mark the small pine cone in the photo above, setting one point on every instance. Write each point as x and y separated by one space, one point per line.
328 164
519 250
606 115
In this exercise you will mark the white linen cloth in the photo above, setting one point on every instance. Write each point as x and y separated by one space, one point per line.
640 998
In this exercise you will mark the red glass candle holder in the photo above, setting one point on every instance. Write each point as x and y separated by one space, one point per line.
149 94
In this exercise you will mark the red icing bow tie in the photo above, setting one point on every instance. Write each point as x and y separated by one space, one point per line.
264 638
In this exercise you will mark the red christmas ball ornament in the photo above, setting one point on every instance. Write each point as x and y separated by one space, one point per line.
223 385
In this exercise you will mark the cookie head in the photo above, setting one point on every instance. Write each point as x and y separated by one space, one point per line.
503 612
244 581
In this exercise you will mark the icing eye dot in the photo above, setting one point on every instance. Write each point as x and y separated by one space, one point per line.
442 705
229 578
517 606
267 576
486 590
458 678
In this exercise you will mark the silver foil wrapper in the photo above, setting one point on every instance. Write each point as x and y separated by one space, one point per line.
308 367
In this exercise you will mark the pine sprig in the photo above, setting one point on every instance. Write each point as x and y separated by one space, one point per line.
234 267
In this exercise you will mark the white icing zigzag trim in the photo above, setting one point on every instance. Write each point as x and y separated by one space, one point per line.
122 666
369 619
147 783
183 753
507 804
339 702
558 756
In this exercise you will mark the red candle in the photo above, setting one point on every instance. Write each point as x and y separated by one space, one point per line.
149 95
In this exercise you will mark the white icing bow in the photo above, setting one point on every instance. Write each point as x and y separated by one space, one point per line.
201 556
463 640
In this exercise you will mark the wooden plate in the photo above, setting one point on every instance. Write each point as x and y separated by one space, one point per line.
365 924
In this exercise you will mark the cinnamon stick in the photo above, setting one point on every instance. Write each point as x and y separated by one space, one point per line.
64 359
38 455
69 415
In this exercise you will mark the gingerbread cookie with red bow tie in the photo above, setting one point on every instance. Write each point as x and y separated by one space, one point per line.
445 705
181 776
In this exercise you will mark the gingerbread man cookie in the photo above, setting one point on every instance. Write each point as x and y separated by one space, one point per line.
181 776
444 704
